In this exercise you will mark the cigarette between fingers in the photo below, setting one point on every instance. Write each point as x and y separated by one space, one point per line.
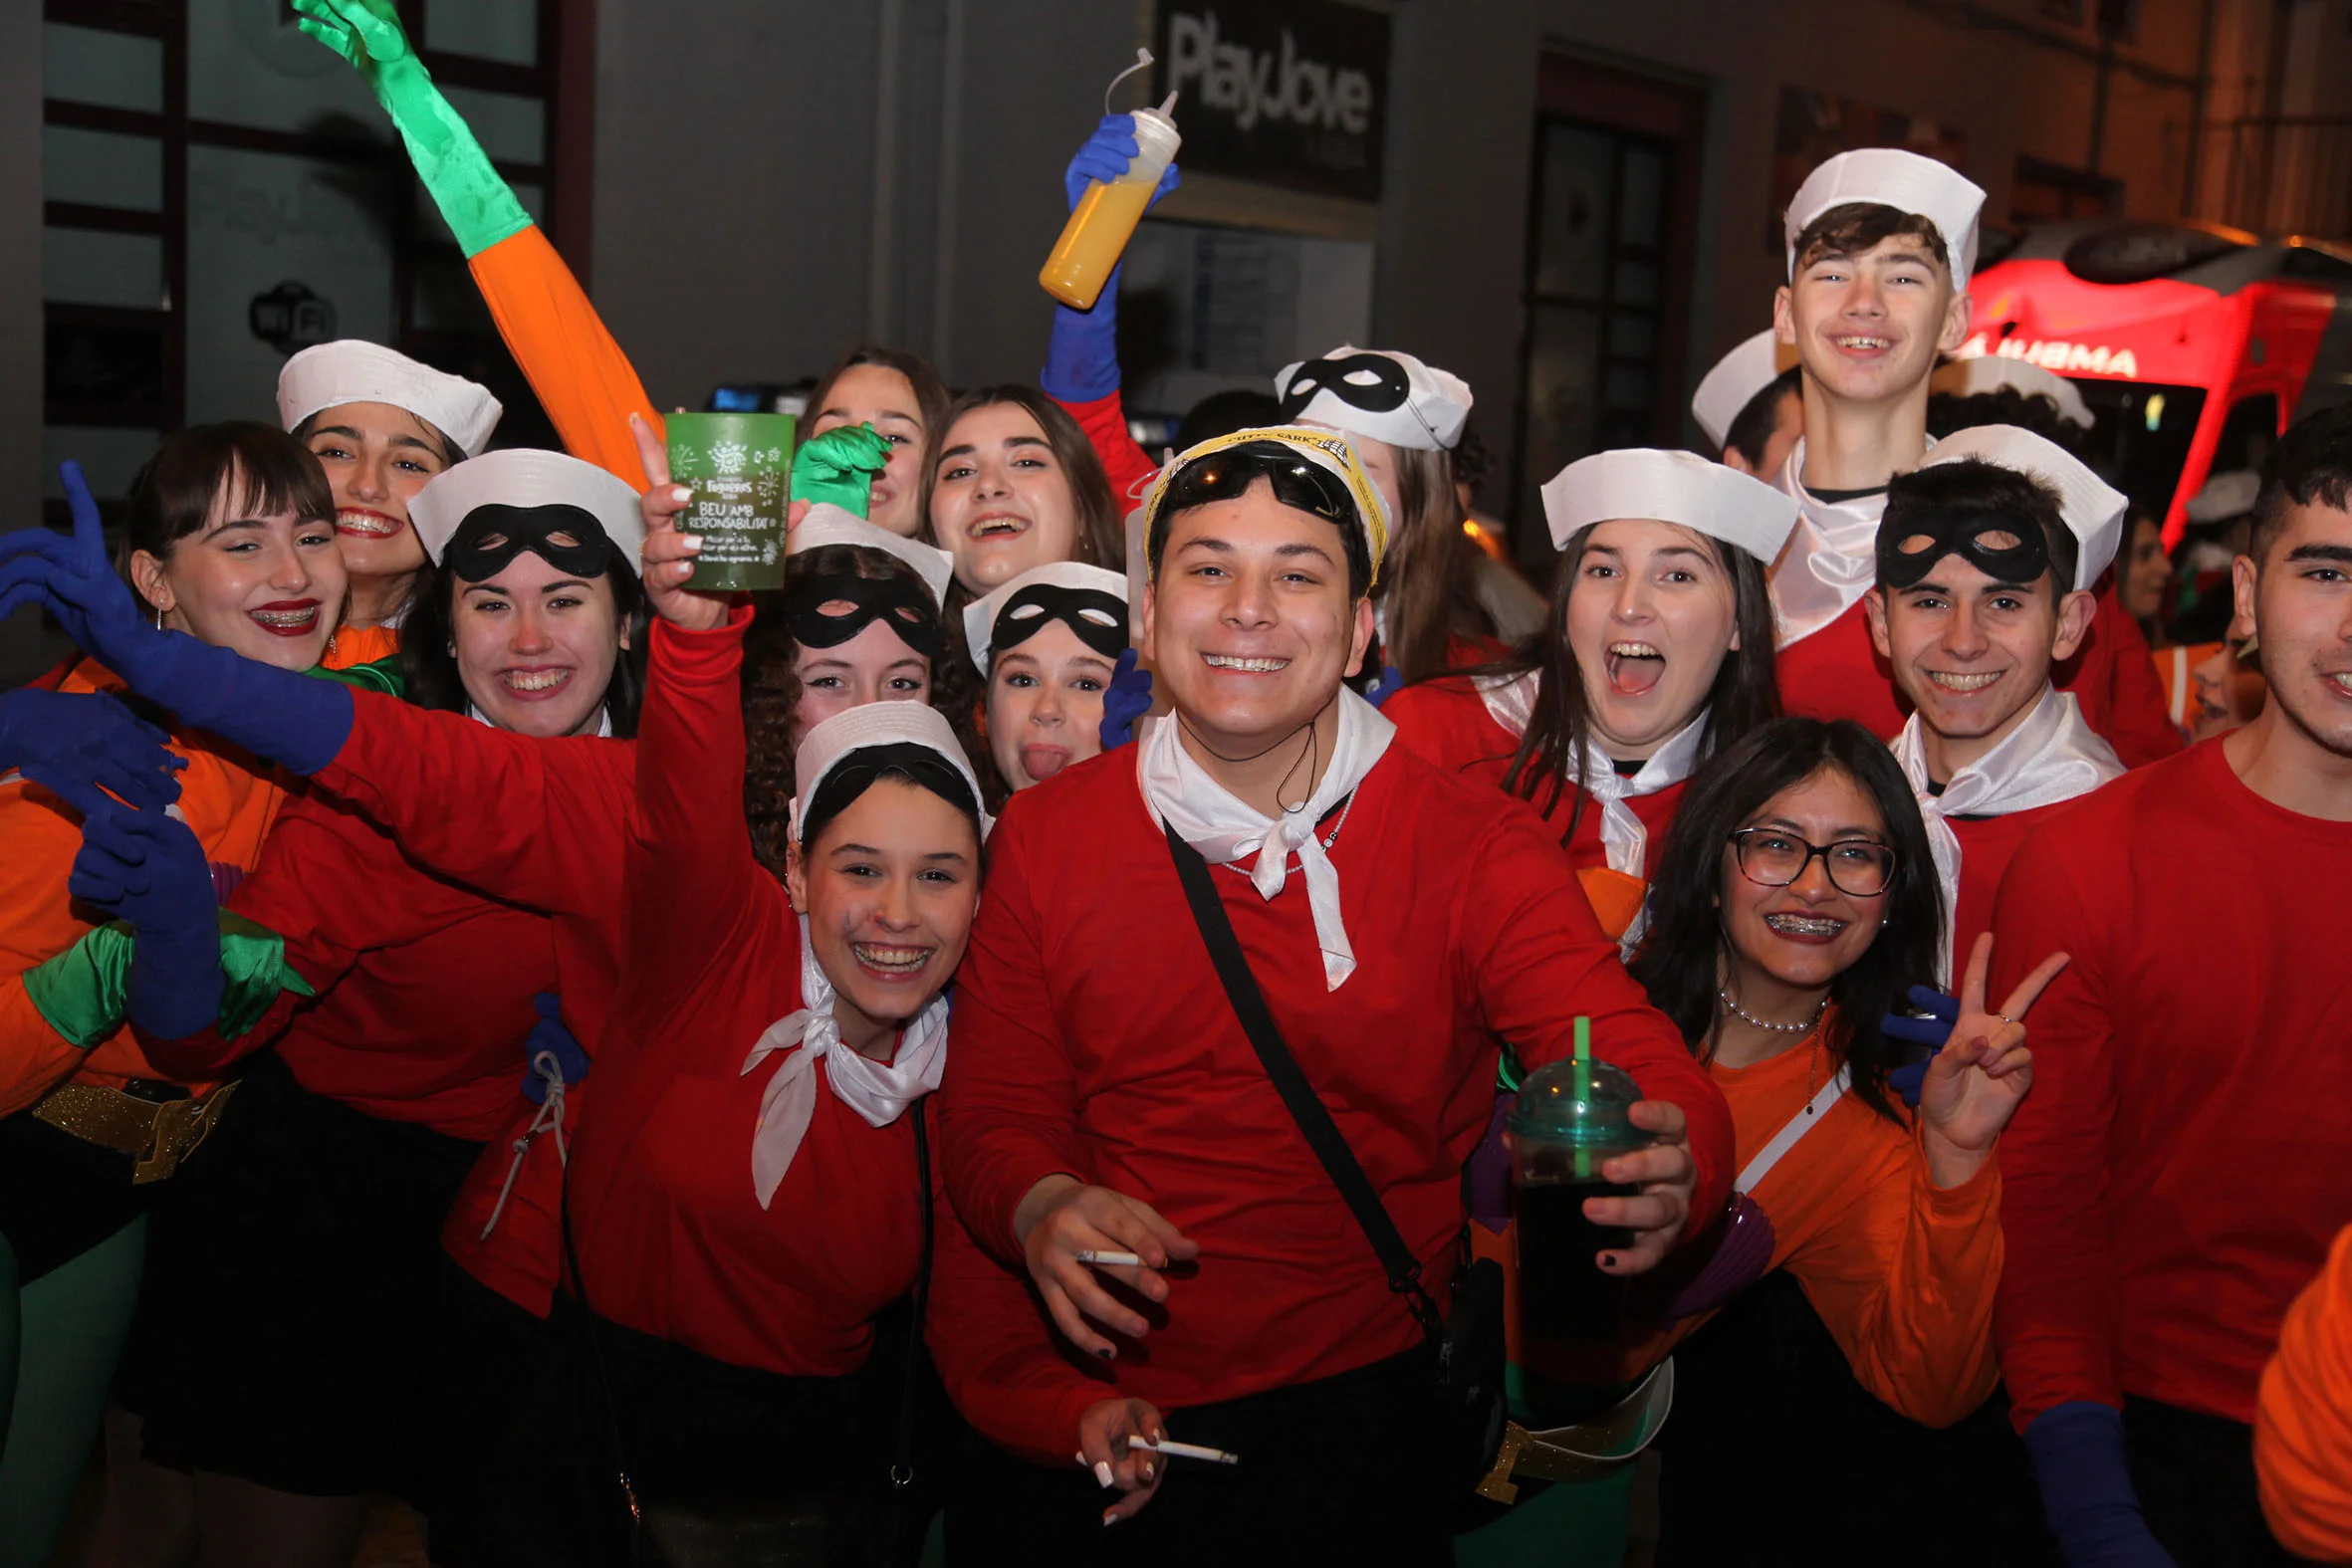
1110 1259
1180 1451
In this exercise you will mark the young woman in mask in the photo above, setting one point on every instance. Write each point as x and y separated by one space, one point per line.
1046 642
381 425
1658 653
229 537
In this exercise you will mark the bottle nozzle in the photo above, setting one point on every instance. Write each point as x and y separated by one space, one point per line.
1168 104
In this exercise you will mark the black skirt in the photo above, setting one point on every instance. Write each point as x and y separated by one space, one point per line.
288 1319
61 1195
535 1422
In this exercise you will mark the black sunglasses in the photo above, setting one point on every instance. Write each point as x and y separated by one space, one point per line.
1227 475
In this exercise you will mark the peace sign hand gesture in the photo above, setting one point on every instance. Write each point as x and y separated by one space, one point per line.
1973 1085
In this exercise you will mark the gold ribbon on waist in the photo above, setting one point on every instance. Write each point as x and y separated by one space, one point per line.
156 1136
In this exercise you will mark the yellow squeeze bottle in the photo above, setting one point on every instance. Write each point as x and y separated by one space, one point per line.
1105 219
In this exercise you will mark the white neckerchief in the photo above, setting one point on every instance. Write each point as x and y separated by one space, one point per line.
2052 756
1832 559
1624 837
603 720
879 1092
1180 792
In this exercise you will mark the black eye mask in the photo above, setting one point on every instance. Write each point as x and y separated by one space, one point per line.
1932 536
1098 618
898 602
1388 391
492 536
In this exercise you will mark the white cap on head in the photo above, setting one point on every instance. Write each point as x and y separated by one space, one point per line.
828 524
980 617
828 743
1669 486
526 477
2091 509
2227 494
352 371
1990 372
1376 392
1736 380
1905 182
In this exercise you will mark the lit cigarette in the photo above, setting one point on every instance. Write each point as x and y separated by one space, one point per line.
1111 1259
1182 1451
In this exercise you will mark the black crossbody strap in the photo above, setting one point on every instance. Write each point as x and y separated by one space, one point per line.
1313 1119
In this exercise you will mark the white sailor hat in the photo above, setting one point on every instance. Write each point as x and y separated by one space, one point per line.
2091 509
2229 494
349 371
828 524
1736 381
828 745
980 617
1669 486
1988 372
526 477
1905 182
1378 393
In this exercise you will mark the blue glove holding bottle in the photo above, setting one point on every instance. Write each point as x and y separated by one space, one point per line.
1081 358
278 714
149 871
75 744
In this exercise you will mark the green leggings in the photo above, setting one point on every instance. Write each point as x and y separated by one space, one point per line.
1568 1525
59 1340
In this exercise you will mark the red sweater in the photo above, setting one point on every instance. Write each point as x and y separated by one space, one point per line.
1445 723
1836 674
1076 1051
423 986
1986 846
1127 466
543 825
2184 1160
672 1238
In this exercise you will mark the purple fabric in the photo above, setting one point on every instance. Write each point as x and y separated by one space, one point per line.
226 880
1743 1251
1489 1172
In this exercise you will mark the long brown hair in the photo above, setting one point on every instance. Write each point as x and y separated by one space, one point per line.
1428 587
1102 540
1746 695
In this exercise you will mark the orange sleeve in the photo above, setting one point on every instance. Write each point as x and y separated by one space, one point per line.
584 382
37 923
2303 1419
1904 1279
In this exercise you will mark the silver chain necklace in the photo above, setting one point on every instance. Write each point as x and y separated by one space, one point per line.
1748 1018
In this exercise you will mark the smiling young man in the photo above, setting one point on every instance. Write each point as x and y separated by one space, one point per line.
1103 1096
1984 561
2184 1160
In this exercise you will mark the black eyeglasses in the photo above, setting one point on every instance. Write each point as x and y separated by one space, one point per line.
1225 475
1775 857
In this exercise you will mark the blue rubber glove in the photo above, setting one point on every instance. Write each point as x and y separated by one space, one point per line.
1126 699
76 743
147 870
1931 1031
1391 681
1083 357
2086 1487
273 713
550 1039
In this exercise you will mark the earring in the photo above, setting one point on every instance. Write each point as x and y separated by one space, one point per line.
159 617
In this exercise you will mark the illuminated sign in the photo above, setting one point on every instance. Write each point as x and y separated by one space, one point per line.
2067 359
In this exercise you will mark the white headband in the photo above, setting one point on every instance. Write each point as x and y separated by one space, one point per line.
328 375
1905 182
828 524
2091 510
980 617
526 477
828 743
1378 393
1990 372
1736 381
1669 486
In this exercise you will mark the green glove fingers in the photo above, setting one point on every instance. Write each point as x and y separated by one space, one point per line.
838 467
82 991
476 204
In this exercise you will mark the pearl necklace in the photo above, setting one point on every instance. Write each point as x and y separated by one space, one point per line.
1750 1018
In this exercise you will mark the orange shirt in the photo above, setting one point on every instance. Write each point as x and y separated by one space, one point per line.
352 646
2303 1420
224 797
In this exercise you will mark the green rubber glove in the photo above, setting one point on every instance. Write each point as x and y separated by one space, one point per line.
81 991
385 675
477 205
838 467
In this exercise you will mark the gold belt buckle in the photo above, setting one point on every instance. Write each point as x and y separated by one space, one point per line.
181 1125
1496 1483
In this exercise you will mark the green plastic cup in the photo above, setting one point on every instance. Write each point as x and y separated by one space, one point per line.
739 467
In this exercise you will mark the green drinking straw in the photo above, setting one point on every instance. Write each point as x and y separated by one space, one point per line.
1583 1086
